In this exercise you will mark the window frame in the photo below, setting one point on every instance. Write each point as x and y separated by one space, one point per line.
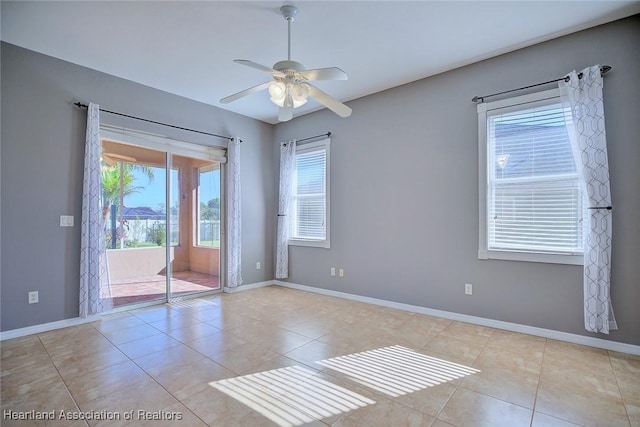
484 253
197 210
324 144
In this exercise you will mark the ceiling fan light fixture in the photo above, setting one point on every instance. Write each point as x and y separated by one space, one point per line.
299 93
277 93
290 95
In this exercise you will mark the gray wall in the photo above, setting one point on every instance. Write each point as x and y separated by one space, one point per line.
404 191
41 174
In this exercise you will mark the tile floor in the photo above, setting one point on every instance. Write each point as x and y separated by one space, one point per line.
280 357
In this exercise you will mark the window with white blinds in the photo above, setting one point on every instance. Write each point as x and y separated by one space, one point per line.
534 202
310 213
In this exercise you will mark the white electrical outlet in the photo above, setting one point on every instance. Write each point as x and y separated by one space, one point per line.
333 271
258 266
468 289
341 272
33 297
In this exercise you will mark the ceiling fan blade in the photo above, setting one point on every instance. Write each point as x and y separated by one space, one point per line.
285 114
244 93
328 101
331 73
246 62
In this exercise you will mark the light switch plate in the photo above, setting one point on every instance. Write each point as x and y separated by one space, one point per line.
66 220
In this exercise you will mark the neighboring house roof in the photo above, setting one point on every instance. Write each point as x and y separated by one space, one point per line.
142 212
550 150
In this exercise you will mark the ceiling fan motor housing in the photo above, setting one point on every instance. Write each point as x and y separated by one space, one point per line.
285 66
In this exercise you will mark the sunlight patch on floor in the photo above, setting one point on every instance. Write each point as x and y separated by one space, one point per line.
194 302
291 396
396 370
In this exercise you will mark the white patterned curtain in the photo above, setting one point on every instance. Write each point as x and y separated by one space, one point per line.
287 168
234 235
581 93
94 281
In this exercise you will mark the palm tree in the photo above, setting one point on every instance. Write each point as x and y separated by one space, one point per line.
117 182
114 188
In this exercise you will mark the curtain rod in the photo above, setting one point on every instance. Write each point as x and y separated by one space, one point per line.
479 99
328 134
80 105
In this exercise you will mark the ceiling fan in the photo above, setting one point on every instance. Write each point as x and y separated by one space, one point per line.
290 86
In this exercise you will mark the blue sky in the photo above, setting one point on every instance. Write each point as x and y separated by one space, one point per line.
153 193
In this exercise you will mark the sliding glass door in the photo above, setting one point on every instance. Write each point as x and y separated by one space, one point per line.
195 199
162 216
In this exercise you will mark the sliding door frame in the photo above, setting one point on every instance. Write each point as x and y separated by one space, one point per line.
170 147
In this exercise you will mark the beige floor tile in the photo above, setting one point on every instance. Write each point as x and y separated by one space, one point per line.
544 420
144 346
278 363
517 343
256 419
174 415
468 350
507 385
29 379
440 423
133 333
187 379
564 354
81 364
468 332
587 398
517 361
315 351
602 384
54 397
468 408
72 333
313 328
193 332
384 413
92 342
172 356
244 357
633 410
430 400
216 408
168 324
88 387
216 343
117 322
156 313
17 348
145 396
627 371
19 361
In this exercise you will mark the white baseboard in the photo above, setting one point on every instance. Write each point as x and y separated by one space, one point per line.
498 324
45 327
248 286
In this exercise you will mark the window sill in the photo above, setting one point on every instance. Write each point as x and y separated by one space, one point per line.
532 257
310 243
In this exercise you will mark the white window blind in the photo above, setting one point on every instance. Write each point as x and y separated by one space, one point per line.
309 207
535 200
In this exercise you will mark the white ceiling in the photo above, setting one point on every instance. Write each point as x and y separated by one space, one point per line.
187 48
